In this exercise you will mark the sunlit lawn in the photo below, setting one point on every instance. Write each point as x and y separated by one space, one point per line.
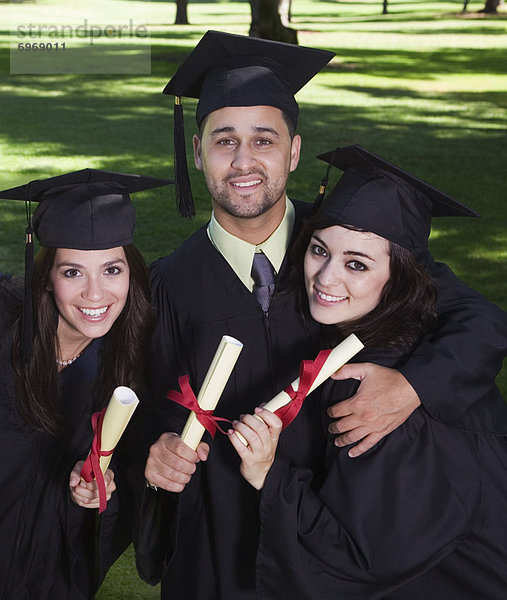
424 86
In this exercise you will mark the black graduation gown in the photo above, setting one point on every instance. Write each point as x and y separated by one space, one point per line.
454 367
218 509
47 542
427 505
199 298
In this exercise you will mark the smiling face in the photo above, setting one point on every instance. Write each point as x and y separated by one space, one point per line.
246 154
90 288
345 272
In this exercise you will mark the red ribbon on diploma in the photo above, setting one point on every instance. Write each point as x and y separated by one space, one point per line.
308 371
91 469
187 399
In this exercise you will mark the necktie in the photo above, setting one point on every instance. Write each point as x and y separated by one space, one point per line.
264 278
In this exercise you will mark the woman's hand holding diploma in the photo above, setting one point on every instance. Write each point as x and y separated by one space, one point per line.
261 431
86 494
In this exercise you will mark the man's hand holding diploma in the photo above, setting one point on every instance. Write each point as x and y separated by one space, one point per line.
171 463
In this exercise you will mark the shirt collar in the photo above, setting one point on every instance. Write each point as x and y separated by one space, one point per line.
239 254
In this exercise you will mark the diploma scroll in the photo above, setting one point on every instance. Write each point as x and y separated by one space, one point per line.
119 411
218 374
337 358
108 426
340 355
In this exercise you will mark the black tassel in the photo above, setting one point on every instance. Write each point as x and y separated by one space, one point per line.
27 320
317 203
183 190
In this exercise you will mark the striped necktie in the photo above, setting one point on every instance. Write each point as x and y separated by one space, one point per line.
264 278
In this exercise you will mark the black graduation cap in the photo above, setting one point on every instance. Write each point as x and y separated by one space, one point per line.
225 69
84 210
376 195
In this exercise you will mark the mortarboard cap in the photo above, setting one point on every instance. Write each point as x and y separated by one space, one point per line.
234 70
376 195
84 210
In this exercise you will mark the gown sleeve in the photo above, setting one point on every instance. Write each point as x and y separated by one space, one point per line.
456 365
156 512
374 522
166 359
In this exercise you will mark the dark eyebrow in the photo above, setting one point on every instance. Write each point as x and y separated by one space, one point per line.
347 252
109 263
115 261
357 253
264 129
219 130
322 242
68 264
256 129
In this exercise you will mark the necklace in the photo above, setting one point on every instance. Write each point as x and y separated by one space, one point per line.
66 363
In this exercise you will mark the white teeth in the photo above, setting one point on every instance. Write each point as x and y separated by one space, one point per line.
247 183
329 298
93 312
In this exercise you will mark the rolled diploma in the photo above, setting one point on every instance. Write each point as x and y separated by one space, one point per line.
336 359
212 387
120 409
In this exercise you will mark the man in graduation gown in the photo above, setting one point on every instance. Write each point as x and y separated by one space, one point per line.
198 531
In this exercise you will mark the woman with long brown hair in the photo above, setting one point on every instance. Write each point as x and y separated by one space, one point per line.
70 335
423 514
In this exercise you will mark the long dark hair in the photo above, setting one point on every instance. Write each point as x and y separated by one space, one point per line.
406 308
122 356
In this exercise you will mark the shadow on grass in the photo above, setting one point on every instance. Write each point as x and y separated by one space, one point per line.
341 13
408 64
385 63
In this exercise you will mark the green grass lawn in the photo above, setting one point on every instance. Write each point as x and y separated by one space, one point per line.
425 86
122 582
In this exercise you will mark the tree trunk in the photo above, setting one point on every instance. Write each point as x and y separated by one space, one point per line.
266 22
181 12
384 7
491 6
285 10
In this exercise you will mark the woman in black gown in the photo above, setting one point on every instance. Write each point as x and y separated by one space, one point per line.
423 514
89 296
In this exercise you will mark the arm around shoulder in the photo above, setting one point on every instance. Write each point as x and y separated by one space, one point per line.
457 364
